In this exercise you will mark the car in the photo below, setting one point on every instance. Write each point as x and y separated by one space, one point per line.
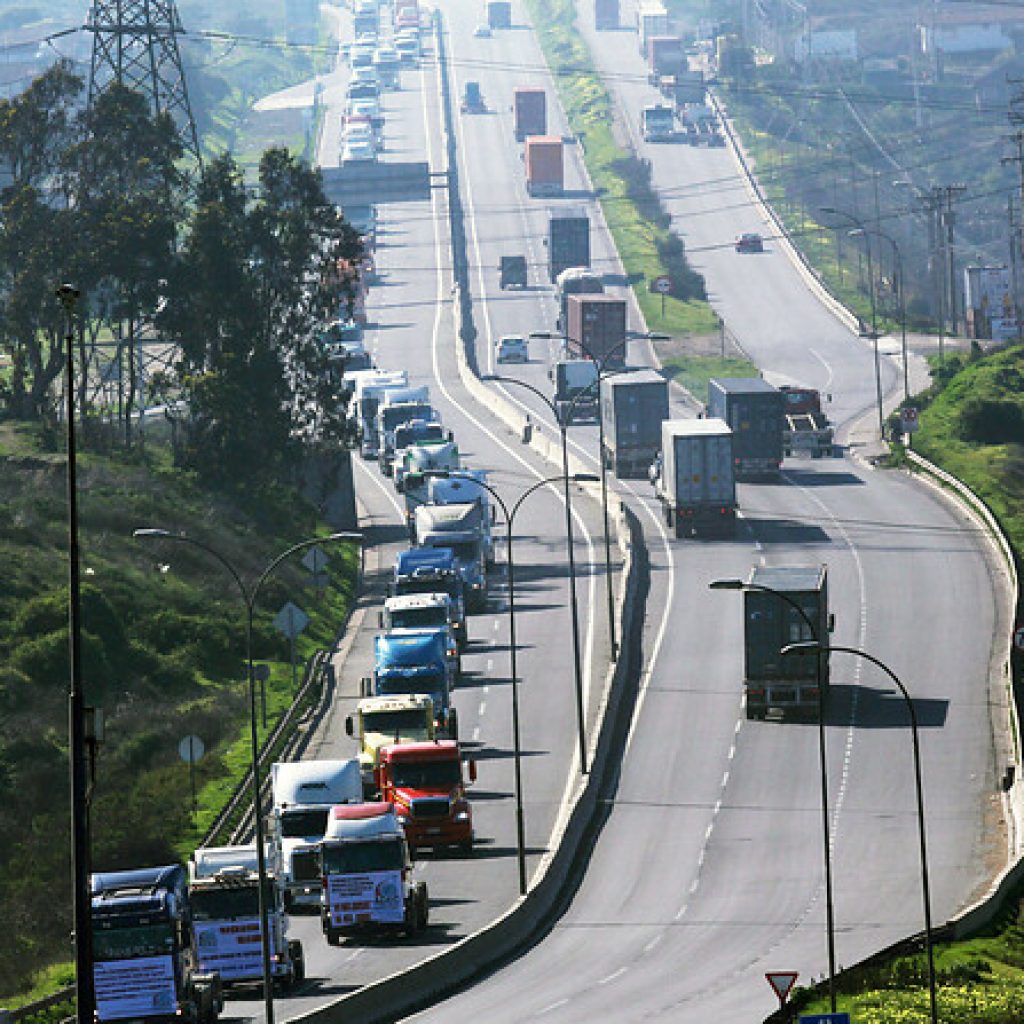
408 50
483 32
366 74
750 241
361 56
358 151
512 349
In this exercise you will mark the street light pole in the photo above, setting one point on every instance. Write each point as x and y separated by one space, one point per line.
85 986
919 787
898 263
830 924
513 671
249 600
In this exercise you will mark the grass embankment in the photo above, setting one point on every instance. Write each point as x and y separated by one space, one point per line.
163 655
641 241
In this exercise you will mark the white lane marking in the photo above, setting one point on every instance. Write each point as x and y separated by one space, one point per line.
553 1006
490 664
482 708
650 945
611 977
476 733
828 368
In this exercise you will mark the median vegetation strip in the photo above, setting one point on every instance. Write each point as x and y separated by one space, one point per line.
638 225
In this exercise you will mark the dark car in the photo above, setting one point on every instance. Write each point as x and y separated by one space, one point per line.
750 242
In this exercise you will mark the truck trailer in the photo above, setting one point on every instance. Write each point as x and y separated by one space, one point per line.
606 14
574 281
633 407
545 170
529 111
693 477
596 329
806 430
568 241
791 685
754 411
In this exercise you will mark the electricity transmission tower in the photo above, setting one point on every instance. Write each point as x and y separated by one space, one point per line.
135 43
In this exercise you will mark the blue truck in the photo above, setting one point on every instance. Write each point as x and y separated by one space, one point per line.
417 662
432 571
144 956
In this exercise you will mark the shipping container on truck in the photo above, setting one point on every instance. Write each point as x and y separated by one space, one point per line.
772 682
544 165
665 56
529 111
694 481
574 281
499 14
597 329
755 411
651 20
568 241
633 407
606 14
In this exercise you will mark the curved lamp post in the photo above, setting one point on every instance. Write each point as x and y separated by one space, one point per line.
830 924
249 595
510 516
922 843
871 293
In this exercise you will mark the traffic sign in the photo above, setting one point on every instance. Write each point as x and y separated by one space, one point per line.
825 1018
315 559
782 983
291 620
908 415
662 285
191 749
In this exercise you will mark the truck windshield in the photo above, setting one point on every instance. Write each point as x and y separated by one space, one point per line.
429 683
468 552
395 722
395 414
426 774
435 586
351 858
131 941
411 618
237 899
299 823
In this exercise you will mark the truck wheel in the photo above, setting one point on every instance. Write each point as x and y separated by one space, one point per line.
681 530
298 962
423 907
333 938
669 516
453 724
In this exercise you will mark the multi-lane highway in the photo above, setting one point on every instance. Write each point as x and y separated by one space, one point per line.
708 871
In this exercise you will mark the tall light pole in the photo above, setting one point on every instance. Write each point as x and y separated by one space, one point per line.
249 595
898 264
85 986
563 425
871 294
822 649
921 838
516 747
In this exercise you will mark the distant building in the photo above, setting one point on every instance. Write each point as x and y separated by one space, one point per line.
970 30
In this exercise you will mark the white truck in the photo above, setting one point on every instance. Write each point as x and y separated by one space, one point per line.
398 406
417 462
224 887
304 793
693 477
468 485
421 445
367 395
367 871
459 527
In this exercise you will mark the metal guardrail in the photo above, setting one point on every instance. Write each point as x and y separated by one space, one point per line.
29 1010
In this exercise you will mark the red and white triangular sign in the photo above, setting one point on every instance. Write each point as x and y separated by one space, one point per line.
782 983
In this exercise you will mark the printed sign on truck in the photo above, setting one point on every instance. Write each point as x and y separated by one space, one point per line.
142 987
231 947
372 896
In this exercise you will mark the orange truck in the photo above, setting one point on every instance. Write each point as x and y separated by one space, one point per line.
545 175
425 783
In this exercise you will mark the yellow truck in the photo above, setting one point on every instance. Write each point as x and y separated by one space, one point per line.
386 721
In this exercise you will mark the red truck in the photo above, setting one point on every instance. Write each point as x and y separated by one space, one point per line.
597 328
529 108
425 783
545 173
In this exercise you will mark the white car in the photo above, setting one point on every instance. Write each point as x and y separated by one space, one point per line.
512 349
361 56
364 75
483 32
358 151
408 50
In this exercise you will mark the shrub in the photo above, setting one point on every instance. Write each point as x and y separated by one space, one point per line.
991 421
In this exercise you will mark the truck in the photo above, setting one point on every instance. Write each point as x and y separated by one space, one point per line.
658 123
425 783
568 241
700 123
545 171
606 14
806 429
303 793
499 14
682 88
574 281
754 411
512 272
473 99
367 871
576 388
224 885
596 329
460 527
415 663
529 111
432 571
417 462
792 684
693 477
665 56
366 399
633 407
651 20
144 960
380 721
398 406
468 485
419 444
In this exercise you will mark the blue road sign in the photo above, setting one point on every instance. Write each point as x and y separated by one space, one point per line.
825 1018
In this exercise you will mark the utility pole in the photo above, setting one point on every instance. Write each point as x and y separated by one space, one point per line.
931 202
1014 241
952 194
